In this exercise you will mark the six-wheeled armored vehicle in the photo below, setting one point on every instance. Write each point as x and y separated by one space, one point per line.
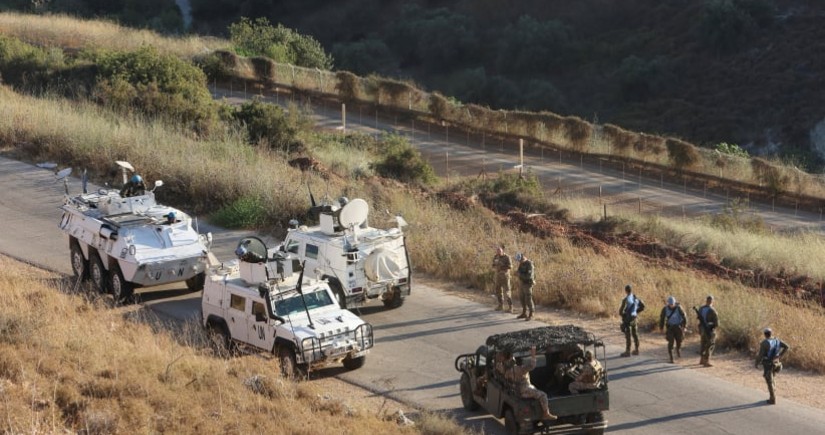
559 358
258 302
122 242
359 262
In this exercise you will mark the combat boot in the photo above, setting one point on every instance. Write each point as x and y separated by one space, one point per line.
499 307
529 316
522 315
678 353
772 401
707 363
626 353
636 351
510 308
670 353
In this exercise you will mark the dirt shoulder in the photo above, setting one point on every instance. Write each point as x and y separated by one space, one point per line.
736 367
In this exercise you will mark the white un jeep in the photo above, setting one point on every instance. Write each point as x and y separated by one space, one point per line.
258 302
359 262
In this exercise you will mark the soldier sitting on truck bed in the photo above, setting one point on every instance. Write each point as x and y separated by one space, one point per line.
519 374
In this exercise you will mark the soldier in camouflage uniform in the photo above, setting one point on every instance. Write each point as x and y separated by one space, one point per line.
520 376
527 279
769 352
674 317
501 282
708 322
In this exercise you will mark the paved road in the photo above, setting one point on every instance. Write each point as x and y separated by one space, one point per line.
455 153
416 344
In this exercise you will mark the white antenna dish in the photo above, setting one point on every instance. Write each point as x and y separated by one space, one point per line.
63 173
125 165
354 213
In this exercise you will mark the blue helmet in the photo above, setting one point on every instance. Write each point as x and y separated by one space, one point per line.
136 179
171 216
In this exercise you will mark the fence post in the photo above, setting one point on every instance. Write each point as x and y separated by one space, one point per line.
344 117
605 211
447 160
640 205
600 192
521 157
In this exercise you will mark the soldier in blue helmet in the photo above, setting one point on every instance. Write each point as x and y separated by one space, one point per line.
134 187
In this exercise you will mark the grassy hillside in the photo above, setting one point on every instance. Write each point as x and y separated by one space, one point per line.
69 364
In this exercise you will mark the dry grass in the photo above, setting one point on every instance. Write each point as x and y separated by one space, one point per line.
795 253
73 33
71 364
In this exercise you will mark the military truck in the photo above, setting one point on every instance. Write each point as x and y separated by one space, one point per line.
121 243
360 262
259 303
560 351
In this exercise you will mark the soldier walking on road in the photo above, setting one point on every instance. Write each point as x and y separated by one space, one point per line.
501 283
708 322
527 279
630 309
674 316
769 352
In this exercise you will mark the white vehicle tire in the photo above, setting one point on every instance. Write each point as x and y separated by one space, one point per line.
98 274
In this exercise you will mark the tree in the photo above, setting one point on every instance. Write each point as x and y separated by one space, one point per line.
281 44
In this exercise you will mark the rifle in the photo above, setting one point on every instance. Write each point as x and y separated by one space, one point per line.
701 320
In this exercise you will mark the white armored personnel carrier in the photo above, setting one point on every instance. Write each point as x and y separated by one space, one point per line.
359 261
124 242
258 302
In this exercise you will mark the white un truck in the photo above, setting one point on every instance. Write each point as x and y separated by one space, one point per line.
259 303
359 262
125 241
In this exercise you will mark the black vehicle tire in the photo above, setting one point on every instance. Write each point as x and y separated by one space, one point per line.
288 362
467 393
80 266
98 274
354 363
394 301
196 283
511 426
122 290
220 339
595 417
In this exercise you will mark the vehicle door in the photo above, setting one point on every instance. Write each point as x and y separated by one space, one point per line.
257 323
236 310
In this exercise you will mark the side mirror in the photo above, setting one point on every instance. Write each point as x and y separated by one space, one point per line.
209 238
158 183
279 319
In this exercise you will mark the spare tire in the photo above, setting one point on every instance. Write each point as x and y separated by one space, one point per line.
381 265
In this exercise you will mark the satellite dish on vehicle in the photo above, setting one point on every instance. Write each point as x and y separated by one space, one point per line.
125 165
63 173
354 213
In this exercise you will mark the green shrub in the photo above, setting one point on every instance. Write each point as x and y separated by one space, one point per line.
439 106
731 149
578 132
21 62
401 161
734 216
268 124
394 91
245 212
281 44
156 84
622 140
216 65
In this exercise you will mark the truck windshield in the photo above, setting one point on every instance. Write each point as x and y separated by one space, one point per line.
293 304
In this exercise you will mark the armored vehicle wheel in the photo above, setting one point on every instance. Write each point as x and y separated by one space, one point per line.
289 365
511 426
395 300
98 274
467 393
197 282
354 363
121 289
80 266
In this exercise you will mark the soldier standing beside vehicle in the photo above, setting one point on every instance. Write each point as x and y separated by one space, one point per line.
501 283
708 322
589 377
527 279
769 352
630 309
519 374
674 316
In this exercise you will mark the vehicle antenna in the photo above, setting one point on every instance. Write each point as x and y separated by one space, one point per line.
301 292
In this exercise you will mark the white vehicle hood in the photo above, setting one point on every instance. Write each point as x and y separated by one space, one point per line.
326 322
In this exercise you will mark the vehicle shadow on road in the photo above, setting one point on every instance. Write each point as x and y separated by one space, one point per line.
642 368
683 415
